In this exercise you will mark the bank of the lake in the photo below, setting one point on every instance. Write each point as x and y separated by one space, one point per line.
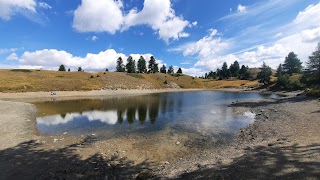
282 143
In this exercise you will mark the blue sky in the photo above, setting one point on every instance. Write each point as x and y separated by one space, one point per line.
195 35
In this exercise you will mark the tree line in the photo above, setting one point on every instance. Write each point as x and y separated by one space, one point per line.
291 66
234 71
141 66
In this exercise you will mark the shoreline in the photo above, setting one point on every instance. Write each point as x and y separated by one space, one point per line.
69 95
276 126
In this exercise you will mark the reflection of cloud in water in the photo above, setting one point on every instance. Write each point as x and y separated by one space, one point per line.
219 121
108 117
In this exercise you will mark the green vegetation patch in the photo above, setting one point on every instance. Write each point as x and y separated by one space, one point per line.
21 70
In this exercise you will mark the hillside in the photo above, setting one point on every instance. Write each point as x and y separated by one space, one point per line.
43 80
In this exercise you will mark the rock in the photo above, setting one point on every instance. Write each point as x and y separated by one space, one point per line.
65 133
178 142
93 134
55 140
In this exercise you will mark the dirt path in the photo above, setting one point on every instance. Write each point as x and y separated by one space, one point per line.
17 123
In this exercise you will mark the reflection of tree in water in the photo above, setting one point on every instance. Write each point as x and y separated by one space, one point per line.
153 111
120 116
142 113
131 115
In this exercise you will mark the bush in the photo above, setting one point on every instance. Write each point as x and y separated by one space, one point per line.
91 76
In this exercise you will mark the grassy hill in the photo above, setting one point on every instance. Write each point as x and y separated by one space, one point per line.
43 80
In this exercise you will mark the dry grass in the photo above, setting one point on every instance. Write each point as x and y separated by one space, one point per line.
33 81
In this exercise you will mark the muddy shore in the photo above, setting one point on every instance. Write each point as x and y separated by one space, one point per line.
283 143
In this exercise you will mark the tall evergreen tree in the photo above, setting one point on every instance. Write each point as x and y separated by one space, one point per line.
170 70
163 69
292 64
279 71
224 70
142 67
179 71
234 69
131 65
120 66
153 66
264 74
313 65
62 68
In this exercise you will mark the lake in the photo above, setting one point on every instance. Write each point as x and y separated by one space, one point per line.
199 113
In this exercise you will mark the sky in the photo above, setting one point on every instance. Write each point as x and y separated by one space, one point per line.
197 36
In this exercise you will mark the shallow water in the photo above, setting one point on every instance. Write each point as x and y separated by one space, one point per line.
202 113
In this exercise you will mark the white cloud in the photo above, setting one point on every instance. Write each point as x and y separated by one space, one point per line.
52 58
206 47
8 50
98 16
8 8
12 56
309 17
44 5
192 71
108 16
242 9
94 38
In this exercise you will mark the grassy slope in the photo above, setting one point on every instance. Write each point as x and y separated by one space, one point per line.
17 81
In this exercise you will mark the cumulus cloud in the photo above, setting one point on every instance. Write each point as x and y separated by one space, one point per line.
8 8
309 17
208 46
98 16
52 58
12 56
108 16
241 8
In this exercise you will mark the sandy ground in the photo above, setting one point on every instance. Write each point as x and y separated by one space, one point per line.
283 143
64 95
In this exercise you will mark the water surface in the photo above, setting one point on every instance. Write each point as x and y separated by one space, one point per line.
203 113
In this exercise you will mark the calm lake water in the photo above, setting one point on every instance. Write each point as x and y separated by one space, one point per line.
202 112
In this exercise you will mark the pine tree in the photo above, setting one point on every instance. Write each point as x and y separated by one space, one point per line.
153 66
170 70
292 64
179 71
224 70
234 69
131 65
120 66
62 68
163 69
279 71
142 68
313 65
264 74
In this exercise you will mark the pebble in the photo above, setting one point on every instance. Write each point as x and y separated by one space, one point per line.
178 142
